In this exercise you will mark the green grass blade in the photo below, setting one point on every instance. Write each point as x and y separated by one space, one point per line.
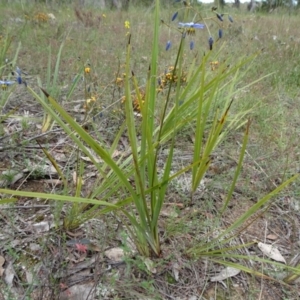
252 210
140 202
57 197
254 258
238 168
84 136
73 86
7 201
55 165
56 70
49 70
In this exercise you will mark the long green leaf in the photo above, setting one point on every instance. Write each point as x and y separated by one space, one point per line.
238 168
56 197
84 136
197 250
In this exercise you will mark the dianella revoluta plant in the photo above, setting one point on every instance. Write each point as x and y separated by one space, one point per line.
196 95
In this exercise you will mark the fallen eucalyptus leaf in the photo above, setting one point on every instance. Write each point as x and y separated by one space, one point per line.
169 212
115 254
175 269
271 251
150 265
29 277
225 273
43 226
78 291
272 237
9 274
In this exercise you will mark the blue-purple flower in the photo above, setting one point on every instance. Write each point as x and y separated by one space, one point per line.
19 76
192 44
210 42
220 33
230 18
168 45
5 82
191 25
174 16
220 17
19 80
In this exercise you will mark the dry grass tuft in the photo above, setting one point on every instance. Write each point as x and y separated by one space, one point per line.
87 18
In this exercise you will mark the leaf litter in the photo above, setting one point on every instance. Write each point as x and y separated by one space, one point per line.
225 273
271 251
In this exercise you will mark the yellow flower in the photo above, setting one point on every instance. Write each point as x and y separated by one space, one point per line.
191 31
89 102
127 25
87 70
214 65
104 15
119 81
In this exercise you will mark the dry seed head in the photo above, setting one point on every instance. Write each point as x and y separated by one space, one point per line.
41 17
214 65
119 81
